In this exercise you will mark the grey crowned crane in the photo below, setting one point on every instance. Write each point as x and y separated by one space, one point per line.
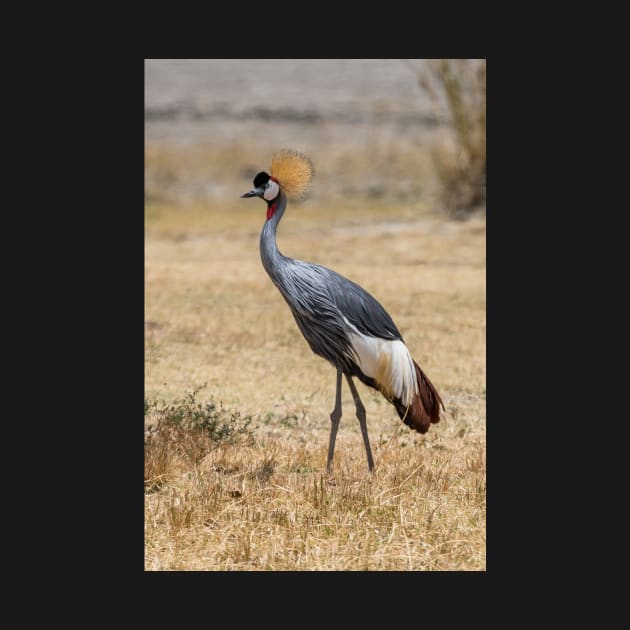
341 322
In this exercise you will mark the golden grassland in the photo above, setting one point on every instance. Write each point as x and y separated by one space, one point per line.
212 316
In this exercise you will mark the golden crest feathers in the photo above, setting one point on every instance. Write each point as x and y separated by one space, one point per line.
293 170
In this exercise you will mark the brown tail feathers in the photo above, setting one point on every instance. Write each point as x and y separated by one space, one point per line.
425 407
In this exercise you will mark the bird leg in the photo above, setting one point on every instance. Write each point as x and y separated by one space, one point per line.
334 419
361 416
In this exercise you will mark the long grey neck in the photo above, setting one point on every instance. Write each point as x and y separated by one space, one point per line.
272 259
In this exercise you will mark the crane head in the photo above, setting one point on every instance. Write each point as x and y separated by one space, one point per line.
290 169
265 187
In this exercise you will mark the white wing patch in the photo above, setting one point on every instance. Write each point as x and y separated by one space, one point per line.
388 362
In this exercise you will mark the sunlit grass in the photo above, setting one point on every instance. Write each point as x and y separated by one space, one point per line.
213 316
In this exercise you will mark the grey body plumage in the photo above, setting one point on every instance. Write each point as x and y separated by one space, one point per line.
320 299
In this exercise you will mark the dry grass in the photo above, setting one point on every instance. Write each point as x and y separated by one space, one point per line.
270 507
213 316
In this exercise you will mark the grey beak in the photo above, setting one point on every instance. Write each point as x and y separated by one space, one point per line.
253 193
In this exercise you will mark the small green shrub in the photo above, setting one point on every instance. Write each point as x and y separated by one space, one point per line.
184 431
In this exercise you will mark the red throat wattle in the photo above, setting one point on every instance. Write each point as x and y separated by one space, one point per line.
270 210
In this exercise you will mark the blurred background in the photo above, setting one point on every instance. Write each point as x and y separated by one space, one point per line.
409 131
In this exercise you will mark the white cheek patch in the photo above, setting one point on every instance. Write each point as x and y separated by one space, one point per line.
271 192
